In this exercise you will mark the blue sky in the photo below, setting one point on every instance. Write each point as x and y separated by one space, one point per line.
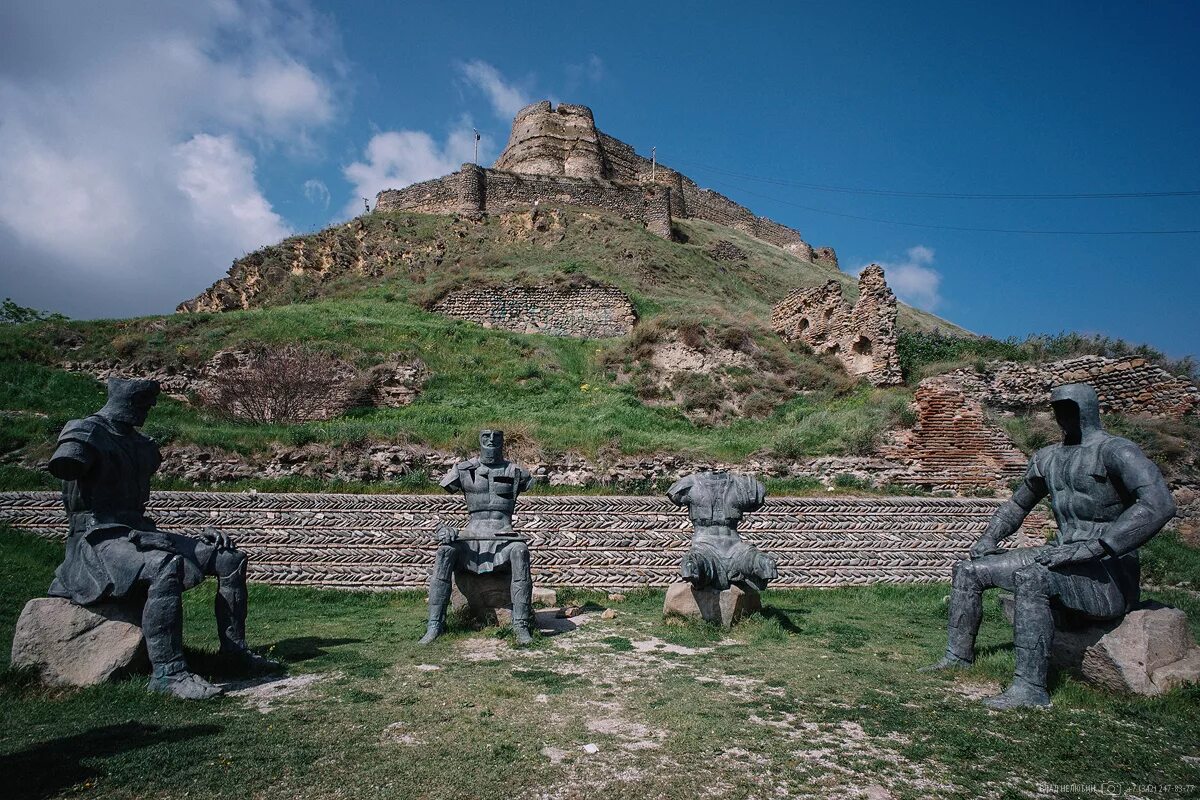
143 146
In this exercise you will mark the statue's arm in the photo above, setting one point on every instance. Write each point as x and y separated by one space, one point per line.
525 479
1008 517
72 460
451 481
679 490
1153 505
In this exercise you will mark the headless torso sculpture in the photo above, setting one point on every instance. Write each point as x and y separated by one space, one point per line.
718 557
488 543
1108 499
115 553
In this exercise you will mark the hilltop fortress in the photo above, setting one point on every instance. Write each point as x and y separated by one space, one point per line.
557 155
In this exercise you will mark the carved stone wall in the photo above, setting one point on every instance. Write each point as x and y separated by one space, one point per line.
953 446
590 312
386 541
1127 385
862 336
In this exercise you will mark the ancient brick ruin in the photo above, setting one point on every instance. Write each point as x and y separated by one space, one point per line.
1126 385
590 312
558 156
953 446
862 336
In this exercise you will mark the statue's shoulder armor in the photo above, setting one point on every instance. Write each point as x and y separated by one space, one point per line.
88 430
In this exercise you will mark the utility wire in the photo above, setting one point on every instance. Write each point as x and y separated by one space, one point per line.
942 195
961 227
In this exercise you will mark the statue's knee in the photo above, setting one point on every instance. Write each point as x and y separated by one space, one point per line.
446 552
231 562
167 570
519 552
1033 579
966 573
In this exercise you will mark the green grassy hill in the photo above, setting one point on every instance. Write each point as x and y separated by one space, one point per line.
366 302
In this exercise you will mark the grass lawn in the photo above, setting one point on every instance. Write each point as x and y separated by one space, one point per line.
820 697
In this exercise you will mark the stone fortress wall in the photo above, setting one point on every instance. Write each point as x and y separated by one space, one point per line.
386 541
589 312
1126 385
557 155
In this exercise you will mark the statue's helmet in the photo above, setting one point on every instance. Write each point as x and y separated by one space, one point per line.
491 445
130 399
1085 400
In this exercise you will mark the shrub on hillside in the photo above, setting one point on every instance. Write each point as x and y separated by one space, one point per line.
925 353
287 384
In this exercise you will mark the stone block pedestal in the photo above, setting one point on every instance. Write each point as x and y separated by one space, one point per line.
1150 651
73 645
488 599
722 608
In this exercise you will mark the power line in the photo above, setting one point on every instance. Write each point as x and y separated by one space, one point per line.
941 195
1041 232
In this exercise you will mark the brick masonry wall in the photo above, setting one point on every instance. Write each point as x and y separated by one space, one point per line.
386 541
592 312
437 196
862 336
952 446
1127 385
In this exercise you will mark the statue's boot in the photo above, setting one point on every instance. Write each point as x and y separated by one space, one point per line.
439 593
966 612
162 628
231 608
521 592
1033 634
178 681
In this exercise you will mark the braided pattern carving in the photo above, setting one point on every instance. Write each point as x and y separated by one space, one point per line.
386 541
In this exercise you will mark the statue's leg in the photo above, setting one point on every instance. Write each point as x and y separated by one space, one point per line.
521 592
231 608
439 591
162 627
1033 633
971 578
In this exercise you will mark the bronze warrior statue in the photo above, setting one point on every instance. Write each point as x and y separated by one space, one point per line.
488 543
718 557
115 552
1108 499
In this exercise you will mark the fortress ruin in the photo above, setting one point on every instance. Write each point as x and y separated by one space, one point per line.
557 155
862 336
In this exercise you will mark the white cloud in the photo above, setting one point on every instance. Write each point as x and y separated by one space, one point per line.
217 177
913 279
125 158
505 98
395 159
315 191
591 70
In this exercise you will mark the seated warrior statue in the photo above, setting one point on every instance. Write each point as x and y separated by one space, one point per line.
718 557
115 552
1108 499
488 543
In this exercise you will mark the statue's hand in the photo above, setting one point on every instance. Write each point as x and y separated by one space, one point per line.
151 540
445 534
221 541
984 547
1069 554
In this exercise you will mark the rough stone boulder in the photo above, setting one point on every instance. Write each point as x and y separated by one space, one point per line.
70 645
487 598
722 608
1149 652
